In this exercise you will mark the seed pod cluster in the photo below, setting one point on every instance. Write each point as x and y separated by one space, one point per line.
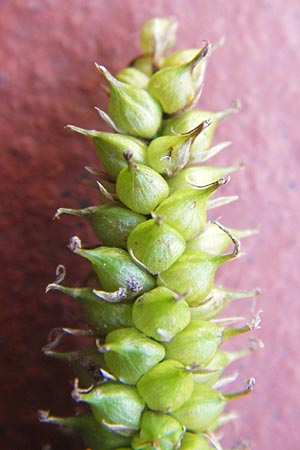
154 364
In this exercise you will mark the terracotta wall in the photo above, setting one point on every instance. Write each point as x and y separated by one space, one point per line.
48 79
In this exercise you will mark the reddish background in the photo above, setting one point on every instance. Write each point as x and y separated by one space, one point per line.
47 79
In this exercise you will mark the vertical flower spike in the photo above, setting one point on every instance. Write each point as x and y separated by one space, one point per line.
153 361
133 109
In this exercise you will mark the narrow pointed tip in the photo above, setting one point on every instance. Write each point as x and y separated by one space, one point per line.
51 287
75 244
43 415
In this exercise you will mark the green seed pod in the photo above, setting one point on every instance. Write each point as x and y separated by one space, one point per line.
199 342
174 86
221 360
116 406
199 176
185 209
133 76
183 57
158 431
86 364
166 386
112 224
196 344
161 314
193 273
129 354
169 154
205 406
193 441
143 63
141 188
189 120
133 109
158 35
115 269
101 316
156 245
217 300
85 426
110 148
214 241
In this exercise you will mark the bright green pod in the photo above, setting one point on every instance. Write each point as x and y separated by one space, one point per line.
133 76
169 154
133 109
199 176
143 63
112 224
193 273
156 245
199 342
158 35
84 426
166 386
160 314
185 209
141 188
110 148
158 431
86 363
100 315
205 406
174 86
116 406
116 270
129 354
221 360
196 344
193 441
218 298
189 120
214 241
183 57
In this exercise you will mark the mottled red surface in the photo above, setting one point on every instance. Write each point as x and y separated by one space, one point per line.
47 79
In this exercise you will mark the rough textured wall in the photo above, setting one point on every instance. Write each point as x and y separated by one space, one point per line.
47 79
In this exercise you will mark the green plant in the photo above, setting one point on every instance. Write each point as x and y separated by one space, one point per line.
152 373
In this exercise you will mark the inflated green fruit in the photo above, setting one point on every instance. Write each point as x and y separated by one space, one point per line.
217 300
116 406
133 109
161 313
84 426
129 354
158 35
192 441
86 363
205 406
189 120
112 224
133 76
199 176
156 244
158 431
101 316
174 86
110 148
185 209
115 269
213 240
143 63
169 154
140 188
199 342
166 386
193 274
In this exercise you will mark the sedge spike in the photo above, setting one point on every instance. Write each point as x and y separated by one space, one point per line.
151 372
